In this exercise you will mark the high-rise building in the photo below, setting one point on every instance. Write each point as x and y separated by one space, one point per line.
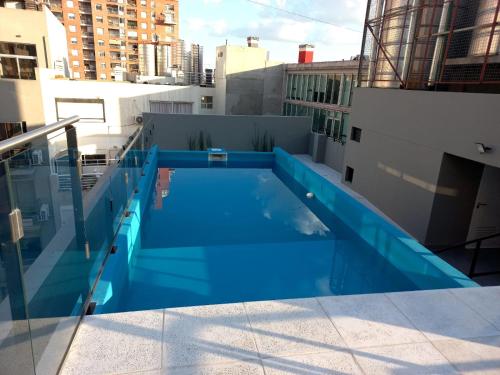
107 38
195 64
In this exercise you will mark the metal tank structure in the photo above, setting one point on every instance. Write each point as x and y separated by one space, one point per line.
431 44
147 59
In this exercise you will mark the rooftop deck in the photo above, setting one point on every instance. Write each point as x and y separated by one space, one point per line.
440 332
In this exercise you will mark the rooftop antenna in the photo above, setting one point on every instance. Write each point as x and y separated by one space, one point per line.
226 42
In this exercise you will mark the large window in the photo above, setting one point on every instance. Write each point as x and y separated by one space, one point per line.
17 61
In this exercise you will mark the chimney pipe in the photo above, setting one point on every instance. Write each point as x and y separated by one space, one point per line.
306 52
253 41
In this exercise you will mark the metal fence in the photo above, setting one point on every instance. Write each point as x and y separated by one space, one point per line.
442 44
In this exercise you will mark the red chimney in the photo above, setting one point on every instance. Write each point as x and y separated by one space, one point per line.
306 52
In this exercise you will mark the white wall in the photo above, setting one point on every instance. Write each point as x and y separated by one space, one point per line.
122 103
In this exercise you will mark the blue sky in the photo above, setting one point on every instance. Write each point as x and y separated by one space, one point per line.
210 22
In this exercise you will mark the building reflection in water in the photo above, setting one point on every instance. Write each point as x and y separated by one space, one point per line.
162 185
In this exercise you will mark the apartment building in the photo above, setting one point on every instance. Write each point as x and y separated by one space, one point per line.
107 39
322 91
425 139
24 51
194 75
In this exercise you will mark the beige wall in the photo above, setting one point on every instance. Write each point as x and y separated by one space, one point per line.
21 99
398 165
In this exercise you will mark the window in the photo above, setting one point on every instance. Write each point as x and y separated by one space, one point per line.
74 40
207 102
98 7
101 54
144 14
17 60
169 8
72 28
103 65
356 134
74 52
71 16
349 174
144 36
144 26
69 4
76 63
100 31
169 29
99 19
76 74
100 42
143 3
102 76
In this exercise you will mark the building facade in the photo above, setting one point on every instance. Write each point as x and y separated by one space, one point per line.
424 140
107 39
194 73
323 91
247 82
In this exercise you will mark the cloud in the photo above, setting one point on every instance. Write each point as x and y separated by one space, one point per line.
212 27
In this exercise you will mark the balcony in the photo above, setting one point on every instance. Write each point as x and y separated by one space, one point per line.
88 36
88 45
85 21
165 20
131 14
89 68
85 10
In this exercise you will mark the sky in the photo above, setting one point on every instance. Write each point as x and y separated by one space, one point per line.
336 35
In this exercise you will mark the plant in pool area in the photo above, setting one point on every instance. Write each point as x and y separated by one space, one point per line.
201 141
208 141
192 143
271 143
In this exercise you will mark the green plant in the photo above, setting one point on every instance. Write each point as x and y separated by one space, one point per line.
271 143
208 141
255 139
263 146
201 141
192 142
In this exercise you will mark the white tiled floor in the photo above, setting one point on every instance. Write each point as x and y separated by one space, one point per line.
429 332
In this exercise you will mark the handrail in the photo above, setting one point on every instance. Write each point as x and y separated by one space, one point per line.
132 139
468 242
22 139
475 256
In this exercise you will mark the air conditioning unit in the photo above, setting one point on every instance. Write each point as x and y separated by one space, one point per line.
44 212
139 119
37 157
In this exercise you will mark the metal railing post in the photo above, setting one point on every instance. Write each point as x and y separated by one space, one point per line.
474 259
76 189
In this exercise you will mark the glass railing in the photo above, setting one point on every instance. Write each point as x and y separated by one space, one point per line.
54 239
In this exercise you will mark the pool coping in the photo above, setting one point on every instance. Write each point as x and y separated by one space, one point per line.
435 331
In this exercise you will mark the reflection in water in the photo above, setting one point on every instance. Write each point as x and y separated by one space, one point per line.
162 186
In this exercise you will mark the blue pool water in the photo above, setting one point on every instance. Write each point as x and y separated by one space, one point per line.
225 235
206 233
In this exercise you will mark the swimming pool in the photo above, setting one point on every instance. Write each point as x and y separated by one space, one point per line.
243 230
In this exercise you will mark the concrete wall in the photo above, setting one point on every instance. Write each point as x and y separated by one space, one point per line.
247 82
172 132
404 137
334 155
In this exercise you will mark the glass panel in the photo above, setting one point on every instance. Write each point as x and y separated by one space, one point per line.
336 129
329 88
16 356
329 123
8 67
310 88
346 90
316 88
322 119
344 127
288 86
322 88
294 86
300 81
303 94
27 68
316 120
336 88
